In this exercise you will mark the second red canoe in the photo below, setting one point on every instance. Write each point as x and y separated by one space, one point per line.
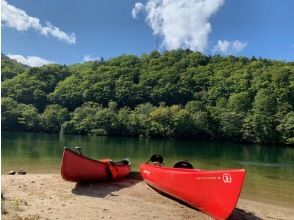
76 167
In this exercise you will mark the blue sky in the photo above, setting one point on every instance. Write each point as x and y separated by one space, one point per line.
37 32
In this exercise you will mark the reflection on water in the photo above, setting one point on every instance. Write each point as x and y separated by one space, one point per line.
270 169
252 163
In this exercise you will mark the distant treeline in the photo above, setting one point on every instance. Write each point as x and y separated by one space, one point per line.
179 93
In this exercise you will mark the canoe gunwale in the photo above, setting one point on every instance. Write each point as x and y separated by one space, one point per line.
116 163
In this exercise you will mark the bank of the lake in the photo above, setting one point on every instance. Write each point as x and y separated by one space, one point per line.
47 196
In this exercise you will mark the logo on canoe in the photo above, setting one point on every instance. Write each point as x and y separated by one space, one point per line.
227 178
208 178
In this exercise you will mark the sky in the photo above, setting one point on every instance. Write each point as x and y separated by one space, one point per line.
38 32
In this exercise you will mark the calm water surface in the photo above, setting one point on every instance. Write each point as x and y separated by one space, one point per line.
270 169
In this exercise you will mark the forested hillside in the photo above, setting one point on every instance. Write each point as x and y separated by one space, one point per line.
180 94
10 68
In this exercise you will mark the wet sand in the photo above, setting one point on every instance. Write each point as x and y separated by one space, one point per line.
48 196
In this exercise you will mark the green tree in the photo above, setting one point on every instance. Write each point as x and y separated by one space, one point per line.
53 117
239 102
286 128
68 93
28 118
9 113
82 120
265 102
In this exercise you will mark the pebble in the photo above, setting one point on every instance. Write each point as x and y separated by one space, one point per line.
22 172
12 172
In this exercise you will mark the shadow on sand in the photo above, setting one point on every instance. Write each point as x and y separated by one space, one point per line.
103 189
237 214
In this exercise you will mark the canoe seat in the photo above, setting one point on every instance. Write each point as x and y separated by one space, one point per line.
122 162
156 158
78 149
183 164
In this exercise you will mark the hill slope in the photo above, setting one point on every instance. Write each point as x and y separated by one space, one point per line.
10 67
178 93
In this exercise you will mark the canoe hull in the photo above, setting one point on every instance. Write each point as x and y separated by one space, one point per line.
78 168
213 192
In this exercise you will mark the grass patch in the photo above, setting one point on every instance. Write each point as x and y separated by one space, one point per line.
16 204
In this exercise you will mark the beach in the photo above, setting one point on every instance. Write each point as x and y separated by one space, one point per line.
48 196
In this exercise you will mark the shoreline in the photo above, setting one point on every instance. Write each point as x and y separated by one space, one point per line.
212 141
48 196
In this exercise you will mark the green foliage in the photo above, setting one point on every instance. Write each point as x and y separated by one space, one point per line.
265 102
230 125
10 68
239 102
10 113
205 97
53 117
286 128
18 116
68 93
33 86
183 123
28 118
82 119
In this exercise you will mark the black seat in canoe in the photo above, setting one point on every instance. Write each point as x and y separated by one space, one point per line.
183 164
156 158
123 162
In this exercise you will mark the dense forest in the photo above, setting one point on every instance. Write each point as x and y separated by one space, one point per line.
178 94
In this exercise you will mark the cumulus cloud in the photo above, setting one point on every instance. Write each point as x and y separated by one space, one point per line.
30 60
88 58
180 23
229 47
137 8
17 18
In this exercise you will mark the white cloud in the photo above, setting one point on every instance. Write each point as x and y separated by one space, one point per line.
229 47
88 58
180 23
17 18
30 60
138 7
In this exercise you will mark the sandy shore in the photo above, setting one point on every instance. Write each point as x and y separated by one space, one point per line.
48 196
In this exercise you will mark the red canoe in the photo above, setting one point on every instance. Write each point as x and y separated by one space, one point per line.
214 192
78 168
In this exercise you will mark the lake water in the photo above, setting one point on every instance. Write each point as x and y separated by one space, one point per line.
270 169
